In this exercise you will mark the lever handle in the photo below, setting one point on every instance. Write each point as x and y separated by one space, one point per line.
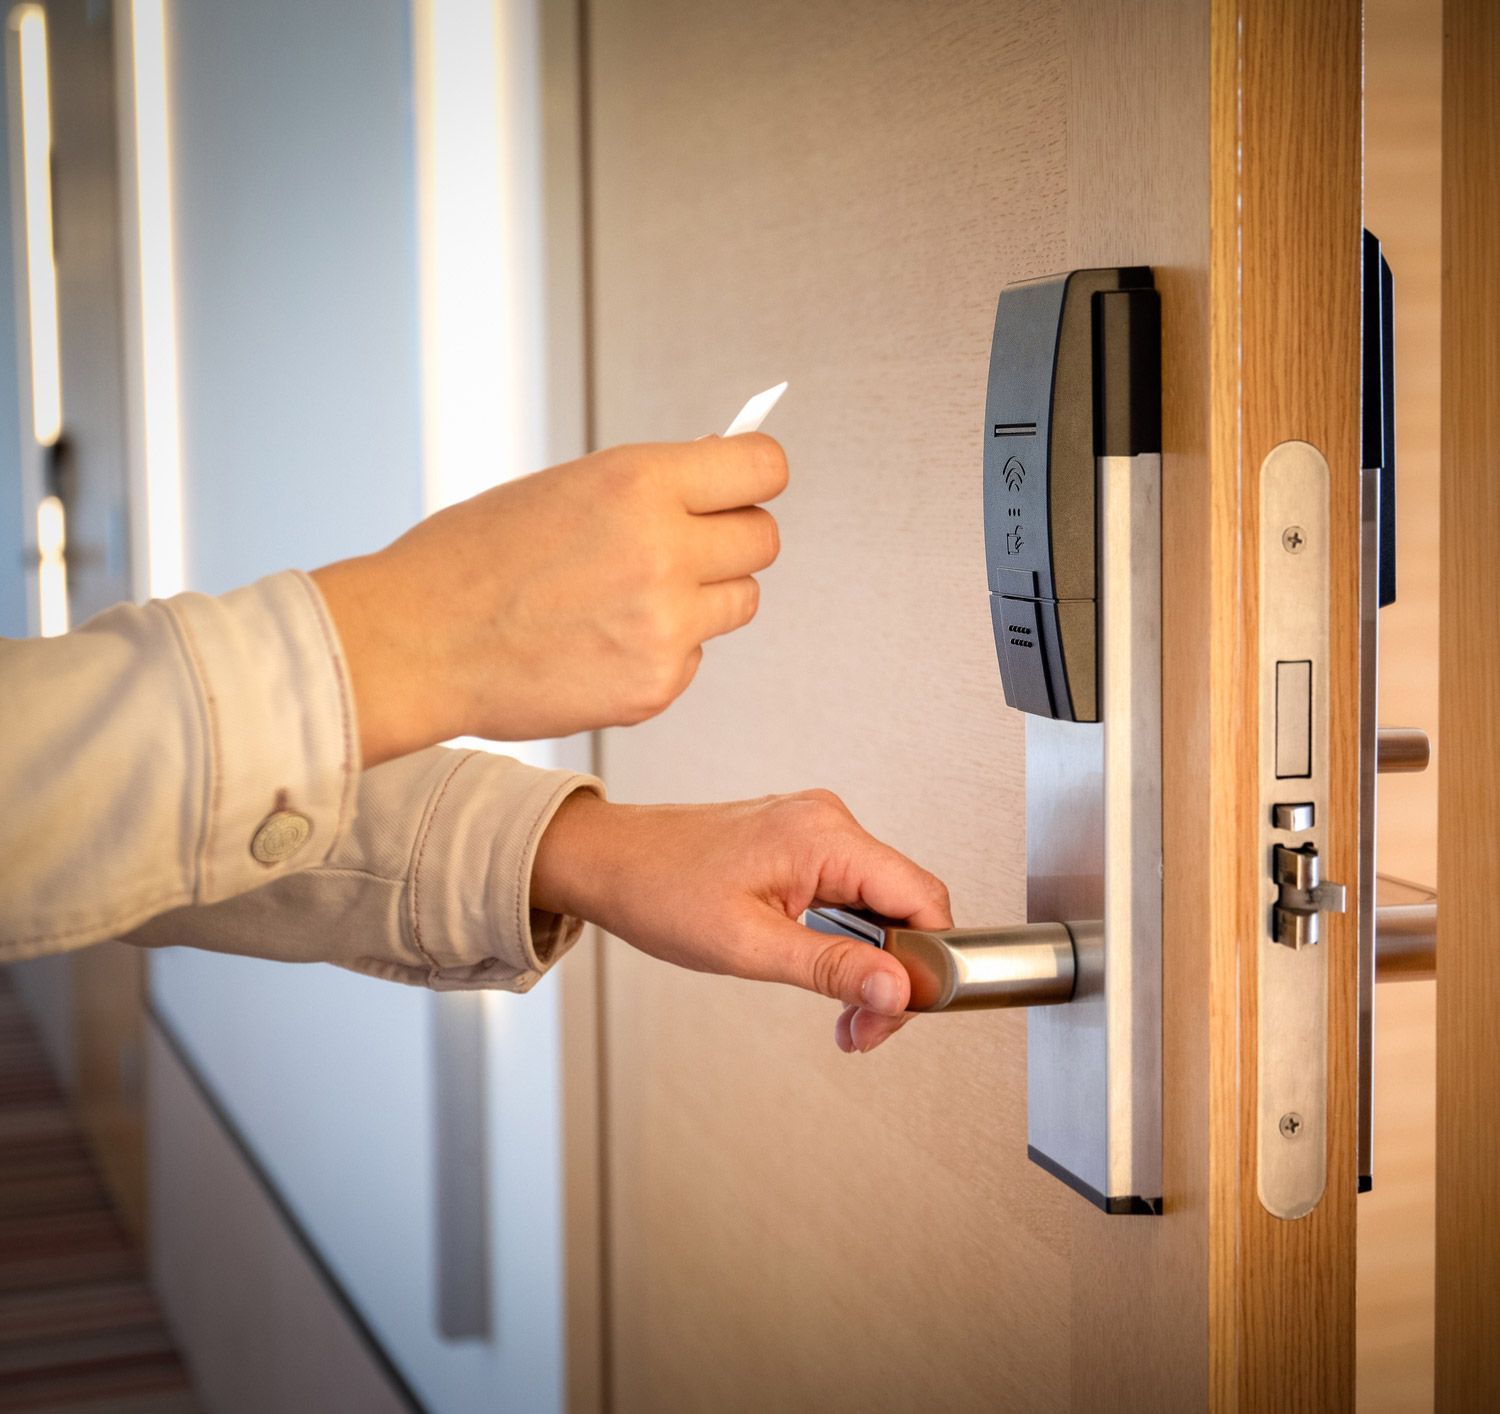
1402 749
965 969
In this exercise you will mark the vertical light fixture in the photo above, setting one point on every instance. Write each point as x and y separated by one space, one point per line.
478 370
30 25
52 566
160 428
479 216
33 114
475 70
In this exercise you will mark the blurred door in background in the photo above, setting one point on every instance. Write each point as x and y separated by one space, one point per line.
1403 153
91 1003
108 981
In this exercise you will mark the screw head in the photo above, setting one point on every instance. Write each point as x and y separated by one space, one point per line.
1291 1124
1293 538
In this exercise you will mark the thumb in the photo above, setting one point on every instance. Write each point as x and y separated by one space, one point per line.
857 974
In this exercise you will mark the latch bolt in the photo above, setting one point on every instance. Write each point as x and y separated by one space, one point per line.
1301 896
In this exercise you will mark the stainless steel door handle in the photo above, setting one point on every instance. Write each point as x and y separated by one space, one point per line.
967 969
1406 942
1402 749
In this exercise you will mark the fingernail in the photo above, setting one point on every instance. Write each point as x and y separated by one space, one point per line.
881 992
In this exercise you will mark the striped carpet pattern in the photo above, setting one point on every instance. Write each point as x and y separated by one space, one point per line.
79 1328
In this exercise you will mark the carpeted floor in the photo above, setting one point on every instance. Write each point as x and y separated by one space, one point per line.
79 1329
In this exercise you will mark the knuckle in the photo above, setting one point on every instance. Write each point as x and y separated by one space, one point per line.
830 968
749 603
665 681
768 545
658 628
770 461
822 802
810 815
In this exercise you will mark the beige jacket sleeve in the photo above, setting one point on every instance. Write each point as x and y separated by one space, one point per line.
203 751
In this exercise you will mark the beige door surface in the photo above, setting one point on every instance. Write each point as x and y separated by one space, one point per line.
1468 1060
835 194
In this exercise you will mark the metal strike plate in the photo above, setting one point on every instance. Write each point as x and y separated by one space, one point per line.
1093 851
1292 1049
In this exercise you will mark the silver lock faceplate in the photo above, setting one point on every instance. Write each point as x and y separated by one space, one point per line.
1292 954
1093 858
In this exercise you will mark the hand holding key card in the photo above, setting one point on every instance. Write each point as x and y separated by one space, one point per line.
573 599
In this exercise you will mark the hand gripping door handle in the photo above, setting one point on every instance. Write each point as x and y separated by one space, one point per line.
967 969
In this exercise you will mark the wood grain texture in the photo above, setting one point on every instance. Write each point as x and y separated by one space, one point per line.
1226 866
1468 1065
1297 70
835 195
1403 149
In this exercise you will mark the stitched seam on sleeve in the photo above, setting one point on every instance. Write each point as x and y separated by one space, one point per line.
416 873
349 871
340 676
549 808
209 709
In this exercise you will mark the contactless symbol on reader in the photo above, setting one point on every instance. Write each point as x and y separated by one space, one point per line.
1013 474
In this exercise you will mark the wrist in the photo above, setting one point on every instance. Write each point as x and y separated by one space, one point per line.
397 687
574 864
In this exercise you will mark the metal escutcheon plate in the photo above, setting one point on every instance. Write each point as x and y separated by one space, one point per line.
1292 1034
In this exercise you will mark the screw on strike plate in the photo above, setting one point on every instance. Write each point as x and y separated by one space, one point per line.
1293 538
1291 1125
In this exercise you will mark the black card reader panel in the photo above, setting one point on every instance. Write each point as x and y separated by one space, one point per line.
1074 375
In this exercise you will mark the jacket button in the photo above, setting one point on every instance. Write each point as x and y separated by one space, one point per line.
279 836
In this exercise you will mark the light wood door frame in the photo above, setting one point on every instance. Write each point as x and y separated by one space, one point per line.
1285 323
1468 996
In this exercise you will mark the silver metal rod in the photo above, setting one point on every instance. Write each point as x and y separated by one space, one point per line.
460 1167
1406 942
966 969
1402 749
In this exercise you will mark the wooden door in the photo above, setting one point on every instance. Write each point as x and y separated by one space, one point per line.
835 195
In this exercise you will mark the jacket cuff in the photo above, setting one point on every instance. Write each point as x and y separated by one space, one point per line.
471 874
277 709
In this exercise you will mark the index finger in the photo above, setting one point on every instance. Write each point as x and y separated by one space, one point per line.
862 870
725 473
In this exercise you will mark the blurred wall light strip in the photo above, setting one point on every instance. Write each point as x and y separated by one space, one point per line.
475 66
475 427
30 24
158 297
52 566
